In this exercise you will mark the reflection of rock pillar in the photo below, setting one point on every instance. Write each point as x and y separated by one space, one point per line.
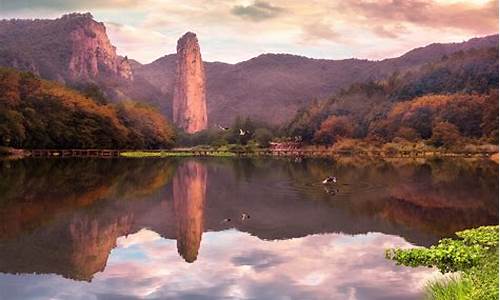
189 185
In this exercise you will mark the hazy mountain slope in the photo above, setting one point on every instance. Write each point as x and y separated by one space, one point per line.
75 49
271 87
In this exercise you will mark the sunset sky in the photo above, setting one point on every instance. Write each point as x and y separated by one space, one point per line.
232 31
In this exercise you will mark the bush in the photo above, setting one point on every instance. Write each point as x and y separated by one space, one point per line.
263 137
474 254
445 134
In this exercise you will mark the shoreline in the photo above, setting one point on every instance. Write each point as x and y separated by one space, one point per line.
12 153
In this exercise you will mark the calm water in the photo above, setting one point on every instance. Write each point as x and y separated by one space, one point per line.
158 228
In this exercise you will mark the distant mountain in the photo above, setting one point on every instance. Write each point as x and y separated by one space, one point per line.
75 49
272 87
69 49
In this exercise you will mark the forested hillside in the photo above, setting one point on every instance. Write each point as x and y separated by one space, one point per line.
36 113
446 102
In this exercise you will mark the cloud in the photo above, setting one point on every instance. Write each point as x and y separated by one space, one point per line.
388 31
139 43
258 11
471 17
337 29
319 31
65 4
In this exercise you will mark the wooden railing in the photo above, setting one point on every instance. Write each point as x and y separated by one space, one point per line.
109 153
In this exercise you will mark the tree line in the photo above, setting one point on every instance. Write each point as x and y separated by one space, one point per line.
36 113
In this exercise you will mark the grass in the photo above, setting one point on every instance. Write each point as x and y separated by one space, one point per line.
452 288
472 258
142 154
479 283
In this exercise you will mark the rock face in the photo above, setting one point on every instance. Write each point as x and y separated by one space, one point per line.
73 48
189 102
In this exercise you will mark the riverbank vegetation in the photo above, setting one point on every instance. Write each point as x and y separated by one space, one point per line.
36 113
449 104
161 153
473 257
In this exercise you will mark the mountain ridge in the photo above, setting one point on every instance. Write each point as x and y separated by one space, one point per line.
270 87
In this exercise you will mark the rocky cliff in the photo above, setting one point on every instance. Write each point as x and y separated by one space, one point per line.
189 102
70 49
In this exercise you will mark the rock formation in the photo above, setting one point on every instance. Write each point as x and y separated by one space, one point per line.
189 103
73 48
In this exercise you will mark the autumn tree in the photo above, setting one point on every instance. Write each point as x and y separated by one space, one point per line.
445 134
332 129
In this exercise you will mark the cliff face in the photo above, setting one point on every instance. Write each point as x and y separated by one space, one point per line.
189 102
72 48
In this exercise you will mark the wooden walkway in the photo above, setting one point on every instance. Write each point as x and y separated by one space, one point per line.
74 152
110 153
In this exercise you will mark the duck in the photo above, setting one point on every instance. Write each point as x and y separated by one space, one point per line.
330 179
227 220
245 216
242 132
222 127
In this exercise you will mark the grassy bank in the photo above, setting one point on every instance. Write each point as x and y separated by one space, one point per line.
472 258
142 154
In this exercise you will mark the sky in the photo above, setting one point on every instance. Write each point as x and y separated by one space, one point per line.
236 30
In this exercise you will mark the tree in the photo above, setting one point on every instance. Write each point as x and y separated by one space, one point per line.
332 129
445 134
263 136
407 133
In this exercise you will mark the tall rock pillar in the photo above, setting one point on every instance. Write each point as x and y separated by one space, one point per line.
189 104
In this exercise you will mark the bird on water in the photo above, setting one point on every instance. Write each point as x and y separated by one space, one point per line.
330 179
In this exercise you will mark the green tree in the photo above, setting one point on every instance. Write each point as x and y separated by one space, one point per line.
263 136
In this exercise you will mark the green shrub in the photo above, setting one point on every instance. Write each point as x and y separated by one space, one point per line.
474 254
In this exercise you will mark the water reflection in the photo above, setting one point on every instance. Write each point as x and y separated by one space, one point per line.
65 217
189 187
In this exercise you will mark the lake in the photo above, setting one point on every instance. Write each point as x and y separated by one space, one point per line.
230 228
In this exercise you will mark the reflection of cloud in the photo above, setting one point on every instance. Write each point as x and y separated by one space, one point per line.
258 11
138 238
259 260
236 265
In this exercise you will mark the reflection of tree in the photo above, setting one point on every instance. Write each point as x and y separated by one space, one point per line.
66 221
189 193
76 247
64 216
32 194
437 196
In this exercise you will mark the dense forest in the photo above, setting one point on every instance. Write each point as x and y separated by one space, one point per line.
445 103
36 113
